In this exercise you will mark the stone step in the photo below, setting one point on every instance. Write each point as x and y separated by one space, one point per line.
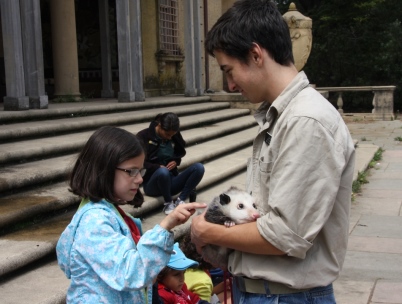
32 129
52 169
22 206
26 150
95 107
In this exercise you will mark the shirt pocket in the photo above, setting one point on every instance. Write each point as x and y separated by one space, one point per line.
265 169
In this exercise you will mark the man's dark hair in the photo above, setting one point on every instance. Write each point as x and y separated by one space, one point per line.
248 22
94 171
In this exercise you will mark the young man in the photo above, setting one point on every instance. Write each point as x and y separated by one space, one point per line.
301 169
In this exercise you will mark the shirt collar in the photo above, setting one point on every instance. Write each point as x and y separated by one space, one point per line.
267 113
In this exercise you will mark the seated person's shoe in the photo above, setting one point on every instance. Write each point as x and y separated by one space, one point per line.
179 202
169 207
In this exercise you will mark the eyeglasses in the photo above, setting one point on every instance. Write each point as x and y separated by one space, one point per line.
134 172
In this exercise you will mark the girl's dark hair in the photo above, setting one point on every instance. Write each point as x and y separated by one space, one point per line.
168 121
248 22
190 251
93 173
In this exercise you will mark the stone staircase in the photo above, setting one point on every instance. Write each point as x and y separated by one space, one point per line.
37 149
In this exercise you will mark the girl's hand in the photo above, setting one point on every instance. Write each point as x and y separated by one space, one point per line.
180 215
171 165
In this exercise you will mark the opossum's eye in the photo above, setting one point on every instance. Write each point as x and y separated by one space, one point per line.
240 206
255 206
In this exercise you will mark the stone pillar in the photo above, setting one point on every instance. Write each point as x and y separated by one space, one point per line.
216 77
126 93
189 51
136 50
33 54
198 68
13 56
383 103
107 90
64 44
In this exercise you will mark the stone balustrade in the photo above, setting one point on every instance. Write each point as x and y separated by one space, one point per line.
383 100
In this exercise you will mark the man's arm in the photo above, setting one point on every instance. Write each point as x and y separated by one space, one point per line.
244 237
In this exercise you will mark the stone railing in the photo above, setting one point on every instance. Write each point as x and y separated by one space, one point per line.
383 101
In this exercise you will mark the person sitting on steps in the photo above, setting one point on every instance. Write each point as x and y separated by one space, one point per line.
165 148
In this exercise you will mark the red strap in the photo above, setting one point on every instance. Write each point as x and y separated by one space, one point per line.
135 232
227 276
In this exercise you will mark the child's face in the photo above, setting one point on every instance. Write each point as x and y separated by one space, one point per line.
126 186
174 280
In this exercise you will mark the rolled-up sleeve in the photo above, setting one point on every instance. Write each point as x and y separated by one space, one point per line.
306 163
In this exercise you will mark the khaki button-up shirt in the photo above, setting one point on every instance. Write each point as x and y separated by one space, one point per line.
301 171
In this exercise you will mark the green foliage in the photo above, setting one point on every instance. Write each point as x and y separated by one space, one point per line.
357 184
362 176
355 43
377 157
66 98
398 138
165 81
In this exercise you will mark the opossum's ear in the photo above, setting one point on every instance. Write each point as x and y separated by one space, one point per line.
224 199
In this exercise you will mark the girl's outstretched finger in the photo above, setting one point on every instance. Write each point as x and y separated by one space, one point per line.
191 207
180 215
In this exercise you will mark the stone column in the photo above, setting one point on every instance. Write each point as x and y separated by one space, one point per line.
126 93
33 54
217 81
64 44
189 51
198 67
13 56
383 102
107 90
136 50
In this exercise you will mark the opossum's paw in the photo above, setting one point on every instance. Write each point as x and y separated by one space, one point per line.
229 224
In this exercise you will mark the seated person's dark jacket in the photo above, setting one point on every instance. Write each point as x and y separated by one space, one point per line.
151 144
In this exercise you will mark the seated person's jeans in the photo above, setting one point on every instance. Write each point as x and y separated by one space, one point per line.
318 295
164 183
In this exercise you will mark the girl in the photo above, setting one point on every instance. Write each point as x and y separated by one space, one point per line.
103 250
165 148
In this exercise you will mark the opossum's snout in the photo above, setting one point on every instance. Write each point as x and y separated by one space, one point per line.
250 217
255 216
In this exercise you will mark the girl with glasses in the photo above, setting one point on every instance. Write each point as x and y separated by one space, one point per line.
103 251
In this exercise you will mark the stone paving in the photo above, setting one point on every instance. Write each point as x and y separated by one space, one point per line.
372 272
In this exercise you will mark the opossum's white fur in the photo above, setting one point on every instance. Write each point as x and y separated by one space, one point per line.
240 208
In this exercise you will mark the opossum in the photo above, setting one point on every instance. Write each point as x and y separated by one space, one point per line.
230 208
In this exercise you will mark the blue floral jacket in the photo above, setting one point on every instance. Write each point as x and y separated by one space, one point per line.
96 251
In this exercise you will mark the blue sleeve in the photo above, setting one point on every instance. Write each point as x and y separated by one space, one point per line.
118 261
